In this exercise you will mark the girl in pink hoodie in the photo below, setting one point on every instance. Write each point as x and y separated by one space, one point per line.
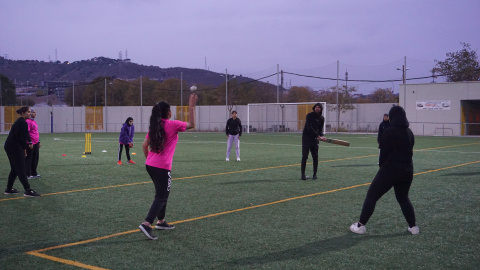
33 154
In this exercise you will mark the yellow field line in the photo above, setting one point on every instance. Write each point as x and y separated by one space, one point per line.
75 263
70 262
78 264
440 147
183 178
454 166
223 173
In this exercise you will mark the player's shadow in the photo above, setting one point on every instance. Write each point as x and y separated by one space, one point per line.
317 248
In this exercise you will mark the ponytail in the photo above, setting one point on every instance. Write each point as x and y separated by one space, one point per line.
156 129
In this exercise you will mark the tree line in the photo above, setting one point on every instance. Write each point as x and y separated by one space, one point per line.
462 65
148 92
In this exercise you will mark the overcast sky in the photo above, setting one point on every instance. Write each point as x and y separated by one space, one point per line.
369 38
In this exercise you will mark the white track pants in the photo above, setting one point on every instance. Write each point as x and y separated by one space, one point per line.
231 139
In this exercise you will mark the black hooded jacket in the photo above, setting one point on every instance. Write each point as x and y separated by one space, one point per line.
313 126
396 143
18 138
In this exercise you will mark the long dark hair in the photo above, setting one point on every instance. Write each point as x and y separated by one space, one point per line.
23 110
156 130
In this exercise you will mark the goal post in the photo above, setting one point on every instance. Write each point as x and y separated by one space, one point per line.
279 117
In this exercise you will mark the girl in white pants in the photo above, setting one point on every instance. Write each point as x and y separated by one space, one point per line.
230 141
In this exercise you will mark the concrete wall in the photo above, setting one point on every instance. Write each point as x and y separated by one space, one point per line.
437 121
364 118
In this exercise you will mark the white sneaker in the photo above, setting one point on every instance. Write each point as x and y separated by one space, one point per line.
360 230
238 159
227 159
414 230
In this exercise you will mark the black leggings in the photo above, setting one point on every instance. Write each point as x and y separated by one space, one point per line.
16 157
127 151
162 180
313 149
384 180
32 160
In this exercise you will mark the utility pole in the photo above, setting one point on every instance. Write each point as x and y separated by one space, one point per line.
405 84
404 80
278 83
346 79
226 92
181 96
338 105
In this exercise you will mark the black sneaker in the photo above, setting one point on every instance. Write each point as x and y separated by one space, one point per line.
304 177
314 177
164 226
31 193
147 231
11 191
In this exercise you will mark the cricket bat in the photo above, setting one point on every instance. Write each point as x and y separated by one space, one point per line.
339 142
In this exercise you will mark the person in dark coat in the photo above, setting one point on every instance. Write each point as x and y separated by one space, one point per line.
16 145
312 133
396 170
383 125
233 129
126 139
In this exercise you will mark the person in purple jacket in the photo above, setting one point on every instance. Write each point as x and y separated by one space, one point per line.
126 139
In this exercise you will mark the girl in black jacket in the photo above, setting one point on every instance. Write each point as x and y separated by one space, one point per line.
396 170
16 144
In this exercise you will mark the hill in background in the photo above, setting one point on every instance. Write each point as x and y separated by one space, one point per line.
34 72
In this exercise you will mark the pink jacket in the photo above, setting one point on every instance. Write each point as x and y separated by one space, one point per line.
33 131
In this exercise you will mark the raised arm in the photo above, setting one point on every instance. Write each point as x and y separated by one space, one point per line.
192 101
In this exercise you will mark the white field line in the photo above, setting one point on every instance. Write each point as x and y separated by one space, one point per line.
271 144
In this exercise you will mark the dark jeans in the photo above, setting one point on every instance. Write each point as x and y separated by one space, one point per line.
32 160
16 157
127 151
162 180
384 180
308 147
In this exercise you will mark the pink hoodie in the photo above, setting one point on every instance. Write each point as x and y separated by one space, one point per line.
33 130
